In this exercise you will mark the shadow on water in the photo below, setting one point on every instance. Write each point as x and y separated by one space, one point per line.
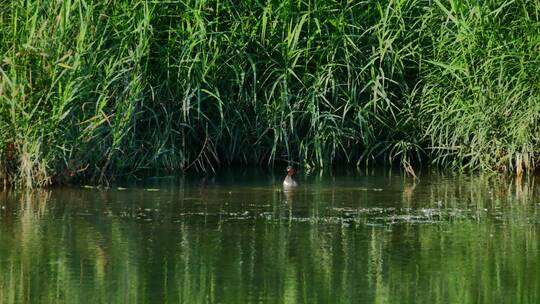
241 238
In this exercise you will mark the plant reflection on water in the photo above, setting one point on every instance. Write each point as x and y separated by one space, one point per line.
349 239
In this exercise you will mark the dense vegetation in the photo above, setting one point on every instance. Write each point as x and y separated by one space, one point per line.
97 89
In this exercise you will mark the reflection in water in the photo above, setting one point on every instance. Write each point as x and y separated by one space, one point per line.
347 239
289 196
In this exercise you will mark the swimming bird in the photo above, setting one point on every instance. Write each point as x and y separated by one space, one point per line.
289 182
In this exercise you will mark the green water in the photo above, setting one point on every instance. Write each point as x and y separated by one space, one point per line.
238 238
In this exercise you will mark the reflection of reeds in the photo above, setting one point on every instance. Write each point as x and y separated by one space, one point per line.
89 255
408 191
32 208
60 260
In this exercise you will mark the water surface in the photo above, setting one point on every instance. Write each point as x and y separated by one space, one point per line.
238 238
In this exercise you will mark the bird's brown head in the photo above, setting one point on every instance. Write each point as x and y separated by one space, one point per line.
290 170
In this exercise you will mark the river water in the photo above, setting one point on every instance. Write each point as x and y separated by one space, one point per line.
355 237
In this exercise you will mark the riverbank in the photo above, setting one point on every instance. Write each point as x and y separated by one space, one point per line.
93 90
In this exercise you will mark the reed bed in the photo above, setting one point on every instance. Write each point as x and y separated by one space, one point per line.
91 90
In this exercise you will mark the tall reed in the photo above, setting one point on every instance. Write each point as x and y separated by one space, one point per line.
480 100
97 89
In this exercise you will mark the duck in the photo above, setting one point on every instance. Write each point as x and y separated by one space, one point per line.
289 182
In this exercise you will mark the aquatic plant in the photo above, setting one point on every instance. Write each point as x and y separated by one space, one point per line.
98 89
480 89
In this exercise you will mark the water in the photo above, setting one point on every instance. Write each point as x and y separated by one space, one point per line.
238 238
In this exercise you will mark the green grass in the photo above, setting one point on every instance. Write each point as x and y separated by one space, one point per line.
96 89
481 97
